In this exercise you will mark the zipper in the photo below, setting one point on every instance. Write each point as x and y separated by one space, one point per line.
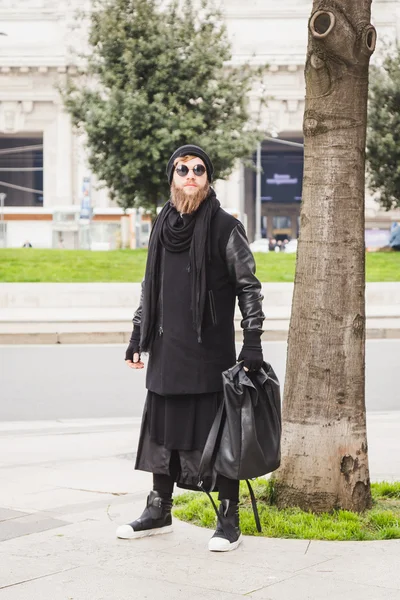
161 324
212 307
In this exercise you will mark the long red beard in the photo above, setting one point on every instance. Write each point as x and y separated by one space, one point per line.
185 203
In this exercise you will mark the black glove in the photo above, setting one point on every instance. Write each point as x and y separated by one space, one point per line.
134 344
251 353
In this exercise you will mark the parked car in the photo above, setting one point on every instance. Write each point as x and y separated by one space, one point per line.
260 245
291 247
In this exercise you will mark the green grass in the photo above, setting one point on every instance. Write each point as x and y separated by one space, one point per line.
381 522
34 265
383 266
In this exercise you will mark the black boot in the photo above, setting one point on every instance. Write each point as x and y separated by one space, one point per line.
155 519
227 536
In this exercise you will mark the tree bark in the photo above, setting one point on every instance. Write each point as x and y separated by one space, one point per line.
324 442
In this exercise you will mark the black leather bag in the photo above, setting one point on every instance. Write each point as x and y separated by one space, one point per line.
244 441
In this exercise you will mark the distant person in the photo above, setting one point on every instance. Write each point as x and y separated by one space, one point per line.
27 244
272 244
199 262
394 240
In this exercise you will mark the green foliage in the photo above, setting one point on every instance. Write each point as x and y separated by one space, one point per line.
382 522
33 264
383 142
71 266
157 78
386 490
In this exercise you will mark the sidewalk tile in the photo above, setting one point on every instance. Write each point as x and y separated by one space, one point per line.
105 584
306 587
15 528
6 514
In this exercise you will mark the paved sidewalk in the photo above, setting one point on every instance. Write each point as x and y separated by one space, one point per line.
113 325
66 485
79 313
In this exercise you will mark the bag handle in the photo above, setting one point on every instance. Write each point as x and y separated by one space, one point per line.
226 527
254 505
207 463
208 458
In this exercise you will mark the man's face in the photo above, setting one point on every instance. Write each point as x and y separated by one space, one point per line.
190 184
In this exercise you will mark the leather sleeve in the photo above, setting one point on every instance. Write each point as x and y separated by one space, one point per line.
137 317
241 267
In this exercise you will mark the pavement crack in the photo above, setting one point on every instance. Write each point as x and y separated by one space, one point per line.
95 491
268 585
13 518
253 591
4 587
108 513
308 545
321 562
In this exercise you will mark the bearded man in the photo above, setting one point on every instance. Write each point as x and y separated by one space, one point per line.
199 262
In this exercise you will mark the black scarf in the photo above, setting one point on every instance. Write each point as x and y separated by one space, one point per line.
194 234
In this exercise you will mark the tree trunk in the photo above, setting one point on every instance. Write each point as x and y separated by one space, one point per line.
324 443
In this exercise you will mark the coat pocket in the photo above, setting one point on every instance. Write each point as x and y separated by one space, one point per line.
212 308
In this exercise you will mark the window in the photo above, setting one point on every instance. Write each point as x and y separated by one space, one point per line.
21 170
282 222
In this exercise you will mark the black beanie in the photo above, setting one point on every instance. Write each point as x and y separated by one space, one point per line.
190 150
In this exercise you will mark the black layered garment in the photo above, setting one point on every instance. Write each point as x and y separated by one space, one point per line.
184 370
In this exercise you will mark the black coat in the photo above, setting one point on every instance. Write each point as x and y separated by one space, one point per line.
178 363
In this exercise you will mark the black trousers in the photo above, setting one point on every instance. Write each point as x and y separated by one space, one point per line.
164 484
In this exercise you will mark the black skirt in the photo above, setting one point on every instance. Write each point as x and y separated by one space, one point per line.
181 422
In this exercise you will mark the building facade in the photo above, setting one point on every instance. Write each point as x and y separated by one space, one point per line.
45 184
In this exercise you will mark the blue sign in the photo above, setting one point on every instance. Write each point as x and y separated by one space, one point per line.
86 200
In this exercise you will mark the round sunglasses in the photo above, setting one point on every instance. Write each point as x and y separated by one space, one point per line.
183 170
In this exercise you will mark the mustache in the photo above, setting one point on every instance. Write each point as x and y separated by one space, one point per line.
185 203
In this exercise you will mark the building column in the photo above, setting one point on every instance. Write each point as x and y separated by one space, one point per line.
49 164
250 204
270 228
81 170
64 193
228 191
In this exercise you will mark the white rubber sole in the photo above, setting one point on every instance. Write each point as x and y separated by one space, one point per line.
221 545
125 532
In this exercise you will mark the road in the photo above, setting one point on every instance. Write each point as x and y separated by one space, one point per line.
92 381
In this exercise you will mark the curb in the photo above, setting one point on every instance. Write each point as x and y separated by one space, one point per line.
73 425
122 337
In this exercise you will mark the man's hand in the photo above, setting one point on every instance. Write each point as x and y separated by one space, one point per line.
136 363
132 354
251 353
252 361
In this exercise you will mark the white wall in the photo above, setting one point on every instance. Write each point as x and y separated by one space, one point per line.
39 233
228 191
